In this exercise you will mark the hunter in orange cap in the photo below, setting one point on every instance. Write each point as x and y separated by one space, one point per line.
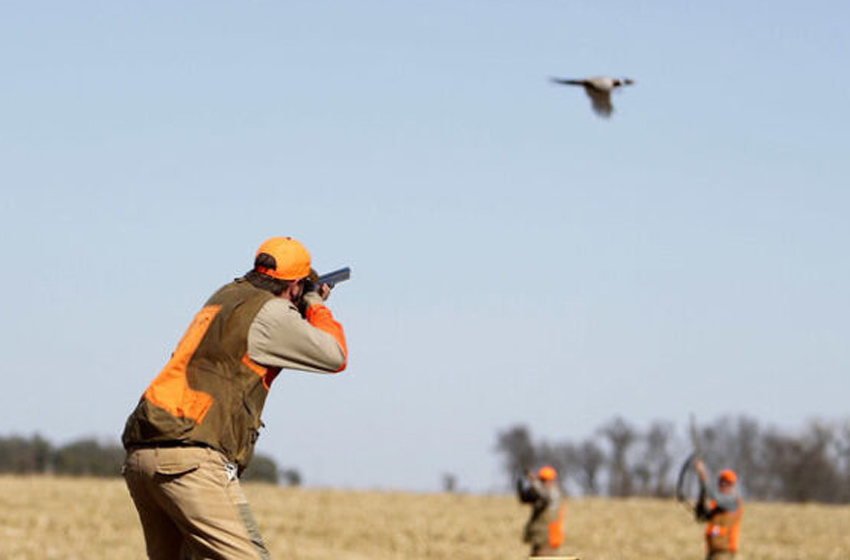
720 505
544 530
283 258
728 475
547 473
189 438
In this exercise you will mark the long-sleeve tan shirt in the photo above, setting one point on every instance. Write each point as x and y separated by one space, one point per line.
280 337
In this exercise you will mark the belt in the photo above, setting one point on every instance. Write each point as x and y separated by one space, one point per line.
160 444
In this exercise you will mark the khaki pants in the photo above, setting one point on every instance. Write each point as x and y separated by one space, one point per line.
191 505
720 555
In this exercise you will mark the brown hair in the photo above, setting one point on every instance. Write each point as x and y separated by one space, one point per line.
263 281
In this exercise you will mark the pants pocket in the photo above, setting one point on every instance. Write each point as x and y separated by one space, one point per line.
172 464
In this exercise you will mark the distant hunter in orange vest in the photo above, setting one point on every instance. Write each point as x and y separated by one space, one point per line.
721 507
193 431
544 530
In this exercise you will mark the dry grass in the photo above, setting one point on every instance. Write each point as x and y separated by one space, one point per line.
43 518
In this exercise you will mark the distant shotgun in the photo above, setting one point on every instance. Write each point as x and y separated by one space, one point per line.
690 491
335 277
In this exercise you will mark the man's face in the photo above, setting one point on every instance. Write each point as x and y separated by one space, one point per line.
294 291
724 485
298 289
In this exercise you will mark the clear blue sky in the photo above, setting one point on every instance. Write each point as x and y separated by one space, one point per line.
515 258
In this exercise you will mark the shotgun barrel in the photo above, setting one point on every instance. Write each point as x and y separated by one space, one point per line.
335 277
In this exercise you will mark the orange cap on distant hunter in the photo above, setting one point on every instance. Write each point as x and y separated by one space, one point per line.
729 476
547 473
291 259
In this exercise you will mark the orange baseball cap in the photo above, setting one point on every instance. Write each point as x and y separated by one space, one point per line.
292 259
729 476
547 473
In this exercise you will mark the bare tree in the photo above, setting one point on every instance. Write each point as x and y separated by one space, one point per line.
620 436
261 469
90 457
820 479
657 460
589 459
843 452
449 483
748 460
518 450
26 455
802 468
291 477
716 443
641 478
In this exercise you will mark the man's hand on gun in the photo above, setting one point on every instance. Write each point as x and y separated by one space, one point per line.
321 286
701 471
323 290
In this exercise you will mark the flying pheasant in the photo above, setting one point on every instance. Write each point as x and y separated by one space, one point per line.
599 90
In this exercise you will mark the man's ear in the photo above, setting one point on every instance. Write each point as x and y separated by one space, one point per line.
291 290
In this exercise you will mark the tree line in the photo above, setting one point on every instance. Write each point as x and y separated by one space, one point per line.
619 459
90 457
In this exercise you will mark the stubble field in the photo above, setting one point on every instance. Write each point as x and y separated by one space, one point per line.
45 518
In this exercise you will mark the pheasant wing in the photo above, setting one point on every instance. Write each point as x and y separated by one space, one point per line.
600 100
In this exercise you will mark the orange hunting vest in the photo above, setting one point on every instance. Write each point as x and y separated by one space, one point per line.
556 528
210 393
724 529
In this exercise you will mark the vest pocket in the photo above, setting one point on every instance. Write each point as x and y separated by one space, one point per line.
253 425
250 433
718 538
